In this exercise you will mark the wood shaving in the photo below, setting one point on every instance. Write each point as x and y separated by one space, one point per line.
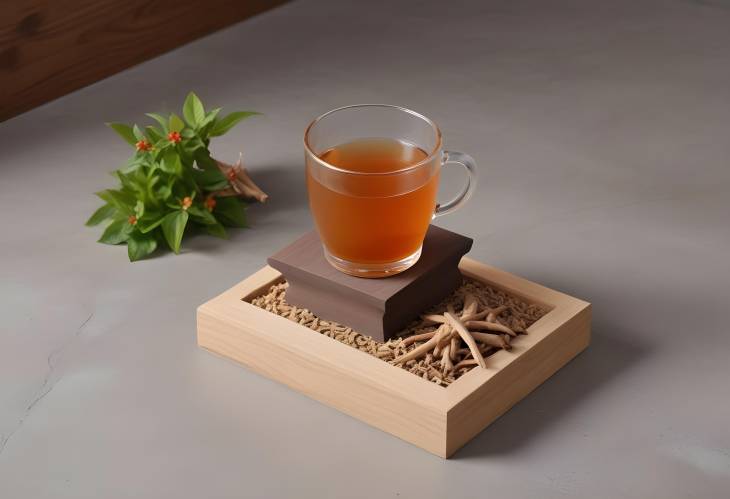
437 347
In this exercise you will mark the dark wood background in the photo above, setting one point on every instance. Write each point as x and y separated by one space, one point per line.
49 48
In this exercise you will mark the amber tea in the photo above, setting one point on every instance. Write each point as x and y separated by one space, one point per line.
366 218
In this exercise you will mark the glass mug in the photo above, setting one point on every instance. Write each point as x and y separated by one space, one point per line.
372 177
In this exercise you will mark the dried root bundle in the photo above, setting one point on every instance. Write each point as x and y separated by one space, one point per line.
241 182
445 343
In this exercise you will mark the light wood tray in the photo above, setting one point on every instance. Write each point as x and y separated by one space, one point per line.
437 419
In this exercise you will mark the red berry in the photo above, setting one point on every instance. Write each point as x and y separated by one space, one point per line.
174 137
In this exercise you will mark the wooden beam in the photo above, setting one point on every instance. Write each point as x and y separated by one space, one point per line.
50 48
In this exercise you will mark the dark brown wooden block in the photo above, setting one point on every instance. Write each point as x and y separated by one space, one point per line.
377 307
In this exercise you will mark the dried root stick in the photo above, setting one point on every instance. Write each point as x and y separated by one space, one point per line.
487 313
418 337
467 337
241 182
493 313
421 350
433 319
446 358
465 363
476 316
454 346
470 306
519 329
491 326
493 340
447 337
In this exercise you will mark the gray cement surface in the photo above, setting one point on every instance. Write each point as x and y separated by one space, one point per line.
601 133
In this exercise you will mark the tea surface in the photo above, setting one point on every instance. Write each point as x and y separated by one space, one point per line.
373 218
374 155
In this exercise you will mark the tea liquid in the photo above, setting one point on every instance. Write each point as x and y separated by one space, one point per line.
373 218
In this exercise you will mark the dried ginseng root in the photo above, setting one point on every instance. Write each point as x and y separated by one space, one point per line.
448 341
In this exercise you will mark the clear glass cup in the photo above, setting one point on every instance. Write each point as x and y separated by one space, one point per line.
372 223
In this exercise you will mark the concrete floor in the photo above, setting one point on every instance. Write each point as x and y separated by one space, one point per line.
601 132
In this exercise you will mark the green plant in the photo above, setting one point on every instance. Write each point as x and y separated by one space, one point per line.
172 183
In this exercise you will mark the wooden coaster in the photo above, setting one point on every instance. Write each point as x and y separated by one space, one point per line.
376 307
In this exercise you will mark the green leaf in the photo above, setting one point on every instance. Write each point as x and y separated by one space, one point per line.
152 179
226 123
149 221
217 230
186 159
176 124
170 162
131 168
134 163
139 209
159 119
230 211
209 118
210 180
202 216
122 201
124 131
193 144
164 192
205 161
138 133
173 227
117 232
140 245
104 213
193 110
126 179
135 189
153 133
161 146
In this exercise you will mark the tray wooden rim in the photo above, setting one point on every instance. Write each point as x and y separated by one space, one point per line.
443 405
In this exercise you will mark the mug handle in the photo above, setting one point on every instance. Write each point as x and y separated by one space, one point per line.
468 163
